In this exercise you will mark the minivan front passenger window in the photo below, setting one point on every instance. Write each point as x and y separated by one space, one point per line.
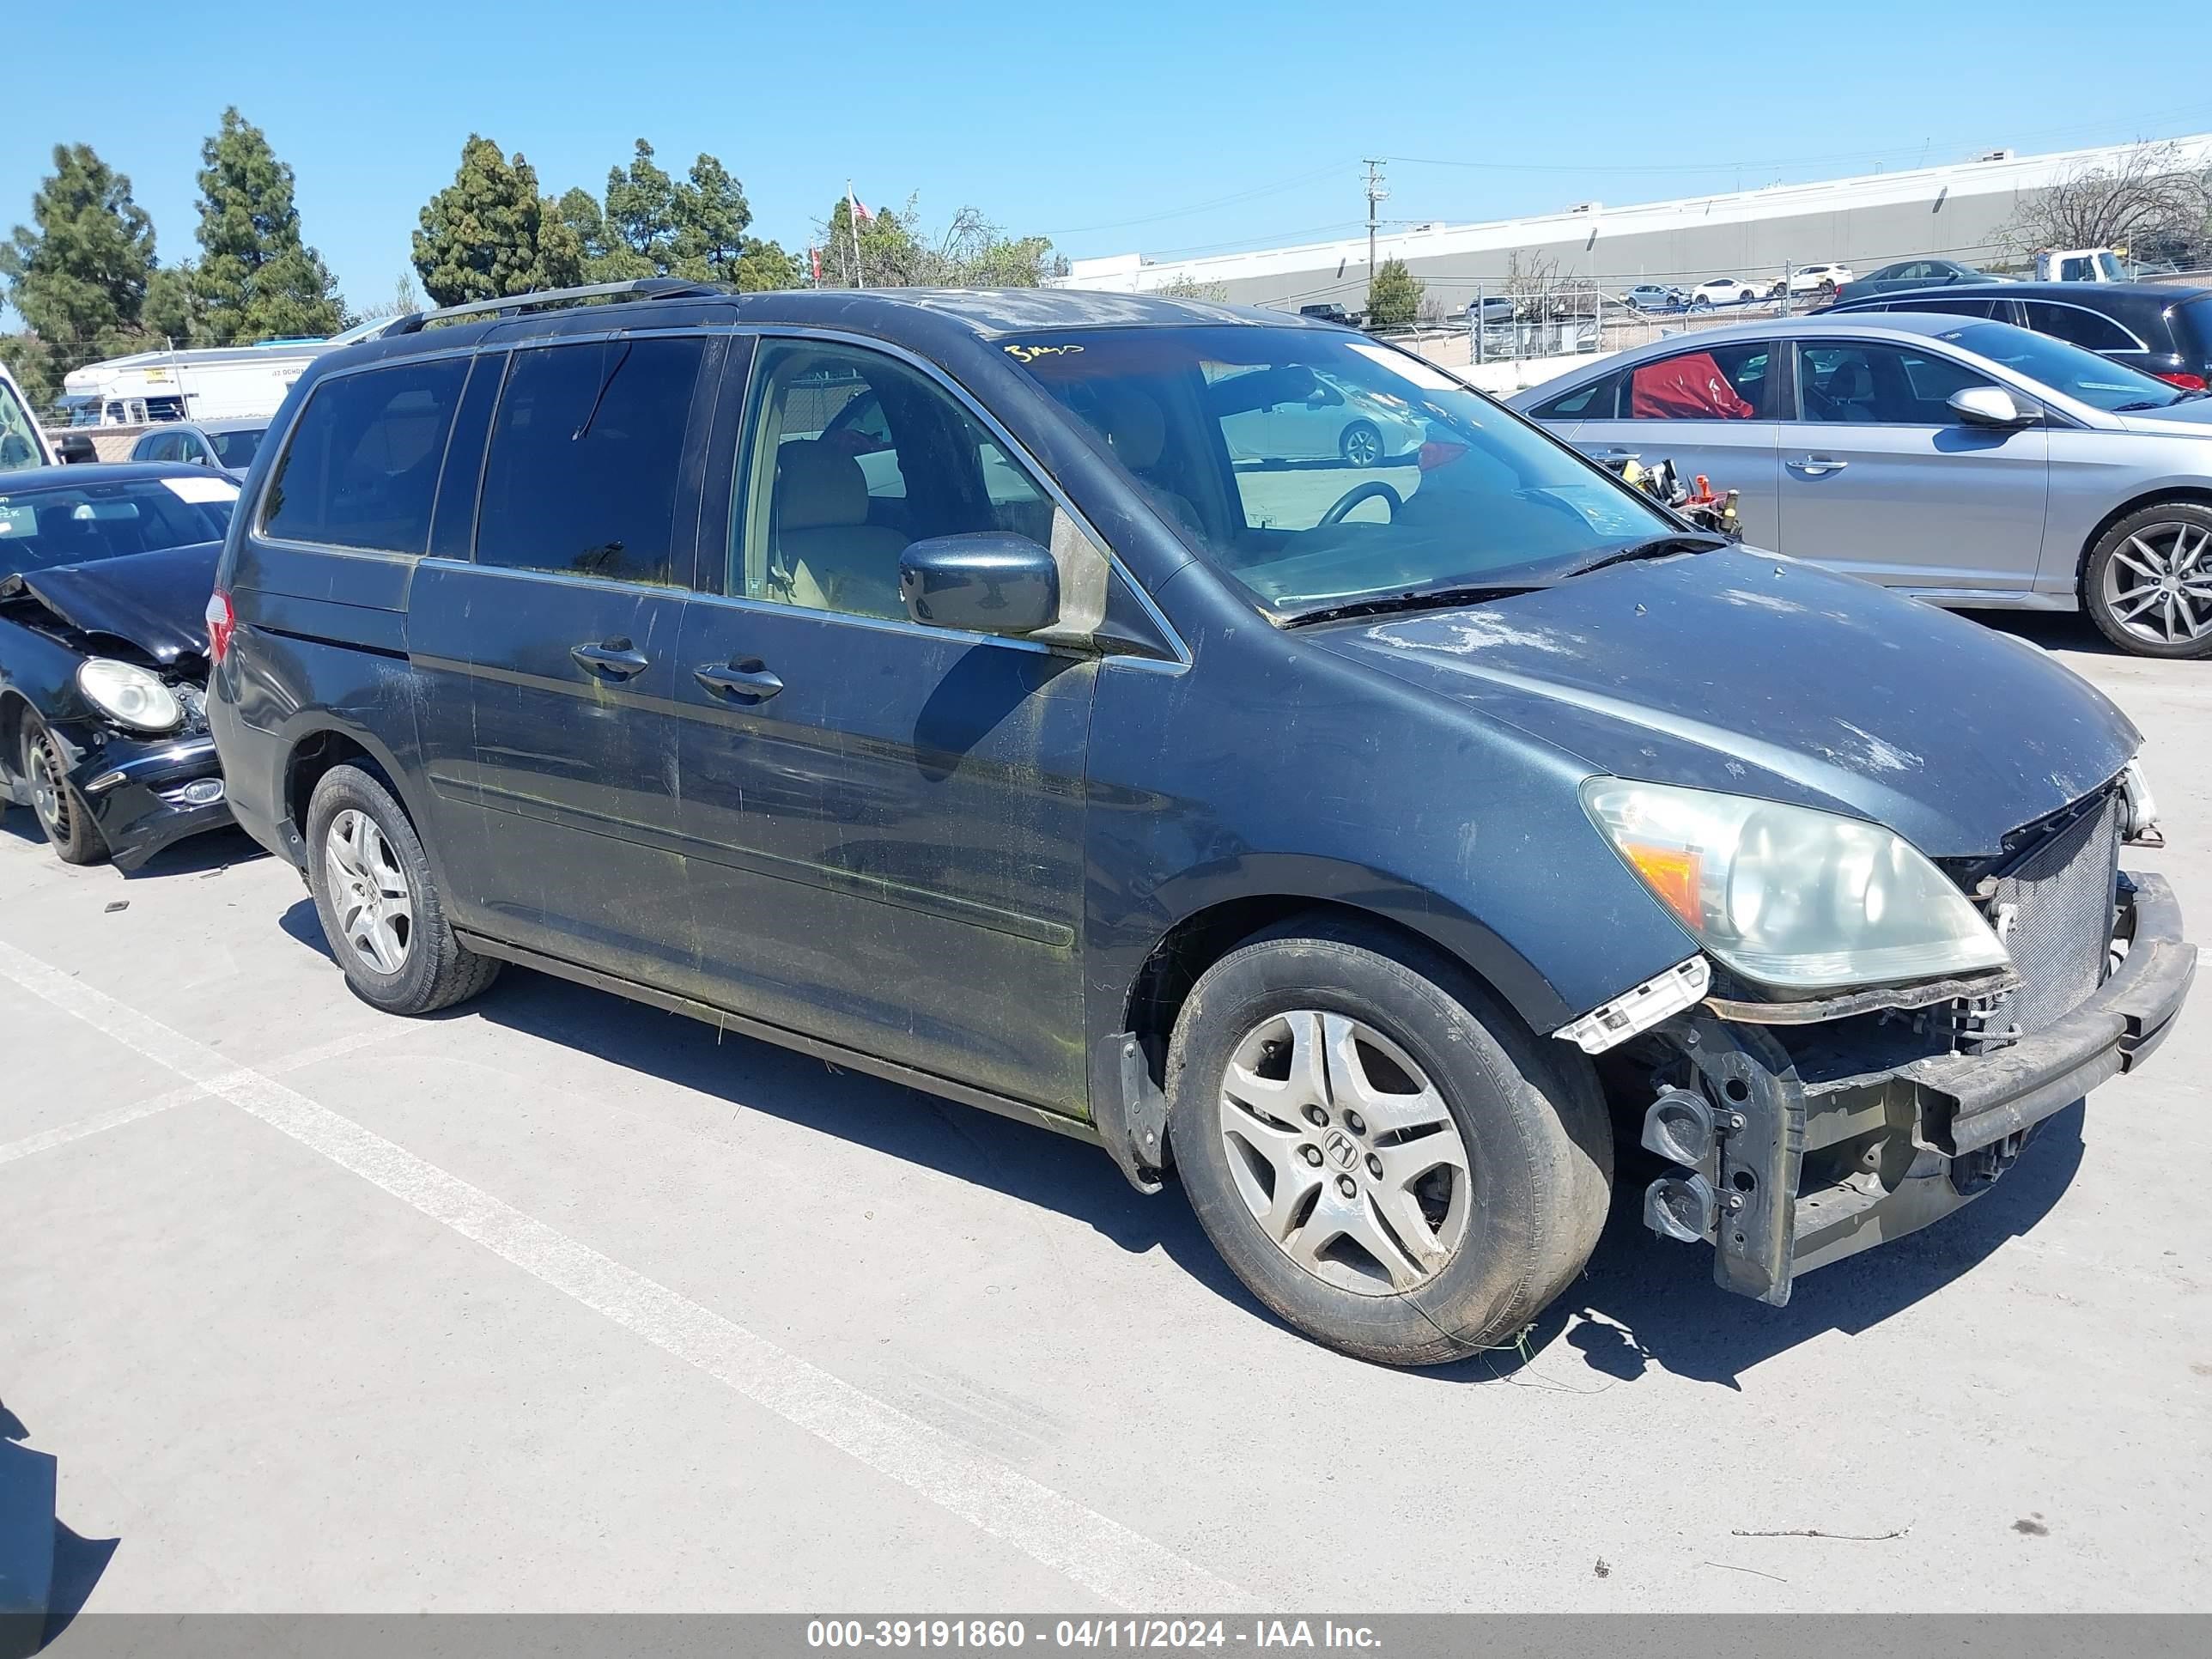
361 468
581 476
853 455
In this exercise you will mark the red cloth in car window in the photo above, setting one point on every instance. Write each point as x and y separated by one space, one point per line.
1691 388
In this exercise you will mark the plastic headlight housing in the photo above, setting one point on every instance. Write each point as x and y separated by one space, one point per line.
129 695
1790 897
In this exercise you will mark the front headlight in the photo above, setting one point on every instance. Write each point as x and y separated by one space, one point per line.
129 695
1790 897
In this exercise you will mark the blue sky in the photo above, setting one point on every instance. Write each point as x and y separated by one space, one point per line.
1136 125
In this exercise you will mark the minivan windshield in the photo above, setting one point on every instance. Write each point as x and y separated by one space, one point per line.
1317 469
2082 375
76 524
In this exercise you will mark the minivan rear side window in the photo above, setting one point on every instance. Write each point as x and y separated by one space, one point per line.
361 468
582 473
2079 326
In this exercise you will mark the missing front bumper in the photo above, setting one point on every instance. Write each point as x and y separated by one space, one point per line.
1810 1160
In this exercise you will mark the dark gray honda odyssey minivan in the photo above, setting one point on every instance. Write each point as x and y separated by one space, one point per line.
1037 698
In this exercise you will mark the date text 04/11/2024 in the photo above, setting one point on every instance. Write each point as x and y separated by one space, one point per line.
1109 1633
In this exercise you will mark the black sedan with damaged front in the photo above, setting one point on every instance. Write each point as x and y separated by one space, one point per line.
104 573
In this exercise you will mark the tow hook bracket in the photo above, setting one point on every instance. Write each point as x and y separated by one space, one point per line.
1761 1118
1129 1110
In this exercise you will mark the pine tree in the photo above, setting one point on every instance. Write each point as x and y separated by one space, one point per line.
78 274
1393 298
256 280
490 234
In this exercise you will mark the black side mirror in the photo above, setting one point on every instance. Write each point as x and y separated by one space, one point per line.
991 581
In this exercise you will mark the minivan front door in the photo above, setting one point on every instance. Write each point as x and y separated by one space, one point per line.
1880 477
883 821
561 634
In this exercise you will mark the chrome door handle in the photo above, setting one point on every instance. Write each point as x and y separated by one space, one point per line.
740 677
1815 466
616 659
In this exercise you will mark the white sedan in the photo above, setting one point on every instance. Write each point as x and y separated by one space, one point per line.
1726 291
1817 279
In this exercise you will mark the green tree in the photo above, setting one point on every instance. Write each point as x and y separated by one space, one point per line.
605 257
490 234
256 280
711 216
641 209
171 311
1394 297
972 252
24 355
765 265
77 273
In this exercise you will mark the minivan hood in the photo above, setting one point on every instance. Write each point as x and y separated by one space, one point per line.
1761 676
156 601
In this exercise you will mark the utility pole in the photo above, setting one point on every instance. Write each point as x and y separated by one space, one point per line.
1375 193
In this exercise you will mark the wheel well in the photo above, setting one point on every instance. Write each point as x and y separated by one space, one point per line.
313 756
2151 498
12 708
1203 938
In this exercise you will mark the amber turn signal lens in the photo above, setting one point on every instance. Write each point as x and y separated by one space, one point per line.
1672 873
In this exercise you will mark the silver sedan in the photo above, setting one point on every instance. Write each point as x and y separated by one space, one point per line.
1967 462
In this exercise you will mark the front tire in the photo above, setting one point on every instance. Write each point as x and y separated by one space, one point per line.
64 815
379 902
2148 582
1361 443
1384 1154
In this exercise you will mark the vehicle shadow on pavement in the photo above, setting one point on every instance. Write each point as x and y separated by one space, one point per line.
965 1143
1641 1305
197 855
1644 1305
2054 630
47 1570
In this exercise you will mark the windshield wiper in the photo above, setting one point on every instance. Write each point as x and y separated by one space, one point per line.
1412 598
1654 547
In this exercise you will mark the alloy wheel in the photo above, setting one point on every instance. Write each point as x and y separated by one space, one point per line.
368 889
1344 1153
1363 445
49 795
2158 583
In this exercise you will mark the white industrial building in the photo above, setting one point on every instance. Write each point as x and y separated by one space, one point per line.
1958 212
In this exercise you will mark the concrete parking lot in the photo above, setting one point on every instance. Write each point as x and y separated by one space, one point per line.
560 1303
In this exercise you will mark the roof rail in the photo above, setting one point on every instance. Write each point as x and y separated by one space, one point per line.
637 287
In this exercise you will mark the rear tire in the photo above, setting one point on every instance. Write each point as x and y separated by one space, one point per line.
2124 581
64 815
1500 1235
379 902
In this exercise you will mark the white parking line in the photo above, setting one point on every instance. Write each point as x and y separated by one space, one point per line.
1115 1563
99 1122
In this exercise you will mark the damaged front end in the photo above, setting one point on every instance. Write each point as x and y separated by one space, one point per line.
112 659
1805 1131
148 791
